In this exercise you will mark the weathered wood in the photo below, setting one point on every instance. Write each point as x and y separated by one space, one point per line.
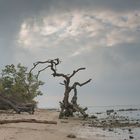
67 108
67 112
13 106
29 107
81 110
27 121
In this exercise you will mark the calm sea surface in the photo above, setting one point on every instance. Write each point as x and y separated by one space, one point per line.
117 133
102 109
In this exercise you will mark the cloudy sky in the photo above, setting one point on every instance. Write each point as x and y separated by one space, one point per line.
101 35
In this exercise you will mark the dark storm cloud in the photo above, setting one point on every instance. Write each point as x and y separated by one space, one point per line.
13 12
117 5
24 8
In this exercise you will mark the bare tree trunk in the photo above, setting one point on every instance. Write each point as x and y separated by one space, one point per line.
66 98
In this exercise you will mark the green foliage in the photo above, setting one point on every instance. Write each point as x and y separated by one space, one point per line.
19 85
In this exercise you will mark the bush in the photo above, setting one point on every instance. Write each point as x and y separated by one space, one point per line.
18 85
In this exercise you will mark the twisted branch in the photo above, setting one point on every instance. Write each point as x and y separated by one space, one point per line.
75 71
80 84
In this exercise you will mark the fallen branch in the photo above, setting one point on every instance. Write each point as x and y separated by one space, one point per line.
7 101
27 121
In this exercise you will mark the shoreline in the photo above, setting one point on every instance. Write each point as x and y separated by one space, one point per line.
65 129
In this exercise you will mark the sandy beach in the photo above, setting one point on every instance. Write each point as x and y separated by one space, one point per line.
35 131
75 127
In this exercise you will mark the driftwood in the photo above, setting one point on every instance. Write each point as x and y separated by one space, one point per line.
29 107
27 121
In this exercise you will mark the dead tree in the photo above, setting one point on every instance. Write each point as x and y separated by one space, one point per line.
67 108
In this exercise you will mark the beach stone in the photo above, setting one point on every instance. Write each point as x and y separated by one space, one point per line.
90 125
131 137
98 113
115 113
71 136
104 129
110 129
108 112
93 117
130 131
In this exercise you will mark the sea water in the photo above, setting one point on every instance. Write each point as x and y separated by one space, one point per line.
100 111
132 112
